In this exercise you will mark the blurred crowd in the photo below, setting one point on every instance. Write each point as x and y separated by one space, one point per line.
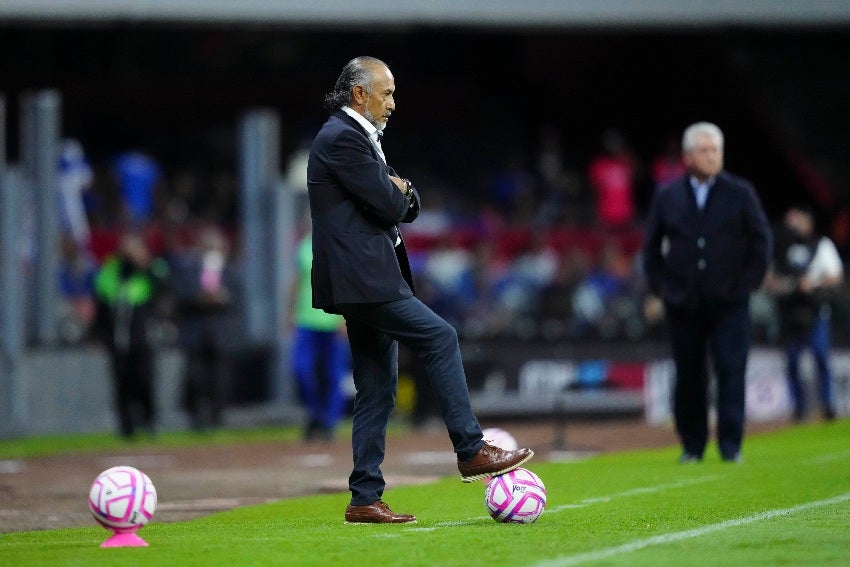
545 248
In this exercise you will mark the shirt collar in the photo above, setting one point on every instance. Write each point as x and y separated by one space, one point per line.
368 126
695 184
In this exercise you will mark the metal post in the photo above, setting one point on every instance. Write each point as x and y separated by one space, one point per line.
282 260
2 137
40 133
11 300
7 363
259 140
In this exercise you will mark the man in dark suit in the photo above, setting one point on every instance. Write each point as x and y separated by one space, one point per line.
361 270
707 247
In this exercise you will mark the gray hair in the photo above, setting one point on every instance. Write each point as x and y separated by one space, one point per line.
697 130
358 71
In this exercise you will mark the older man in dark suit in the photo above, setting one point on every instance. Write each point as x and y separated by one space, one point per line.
707 246
360 270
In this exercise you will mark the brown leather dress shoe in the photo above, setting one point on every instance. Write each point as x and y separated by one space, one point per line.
376 513
492 461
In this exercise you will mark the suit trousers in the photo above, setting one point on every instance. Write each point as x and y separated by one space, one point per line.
723 329
374 331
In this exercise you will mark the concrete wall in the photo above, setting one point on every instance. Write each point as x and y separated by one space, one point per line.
70 391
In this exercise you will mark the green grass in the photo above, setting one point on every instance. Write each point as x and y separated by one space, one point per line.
787 504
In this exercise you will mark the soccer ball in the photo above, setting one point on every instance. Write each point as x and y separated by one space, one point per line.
122 498
500 438
518 496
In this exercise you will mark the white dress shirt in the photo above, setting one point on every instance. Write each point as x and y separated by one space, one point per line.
370 129
376 141
701 190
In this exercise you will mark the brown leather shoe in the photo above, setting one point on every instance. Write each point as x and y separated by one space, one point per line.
376 513
492 461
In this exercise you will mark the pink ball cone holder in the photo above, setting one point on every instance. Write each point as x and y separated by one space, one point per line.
125 537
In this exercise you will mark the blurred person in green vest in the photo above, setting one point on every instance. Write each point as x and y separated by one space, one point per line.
319 356
127 287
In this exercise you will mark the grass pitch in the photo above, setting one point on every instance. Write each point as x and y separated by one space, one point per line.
788 503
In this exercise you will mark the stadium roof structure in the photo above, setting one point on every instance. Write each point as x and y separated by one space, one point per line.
481 13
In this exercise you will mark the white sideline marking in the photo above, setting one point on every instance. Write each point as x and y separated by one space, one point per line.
449 524
580 504
631 492
687 534
829 457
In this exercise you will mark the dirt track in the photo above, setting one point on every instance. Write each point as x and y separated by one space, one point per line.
46 493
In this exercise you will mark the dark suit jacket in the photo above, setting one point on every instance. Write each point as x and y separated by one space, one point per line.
718 254
355 209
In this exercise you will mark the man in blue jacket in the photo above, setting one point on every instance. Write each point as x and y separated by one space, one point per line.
361 270
707 247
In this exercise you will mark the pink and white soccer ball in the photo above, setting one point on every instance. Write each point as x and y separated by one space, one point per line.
122 498
500 438
518 496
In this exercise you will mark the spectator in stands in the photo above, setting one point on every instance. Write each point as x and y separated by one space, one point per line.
481 313
206 291
707 247
538 262
445 268
563 197
138 175
77 270
319 353
127 287
667 166
75 178
840 231
805 276
518 292
612 175
512 189
602 297
556 297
